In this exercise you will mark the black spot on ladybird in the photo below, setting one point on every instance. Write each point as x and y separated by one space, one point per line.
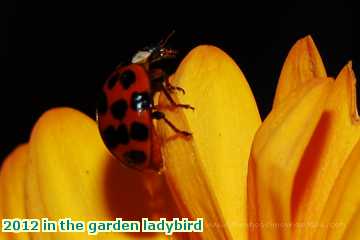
119 108
123 134
112 80
112 137
102 103
139 131
127 78
140 101
135 157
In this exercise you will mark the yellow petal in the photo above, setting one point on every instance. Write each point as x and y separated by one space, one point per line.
71 174
12 177
302 64
353 229
208 172
2 235
342 211
330 146
277 150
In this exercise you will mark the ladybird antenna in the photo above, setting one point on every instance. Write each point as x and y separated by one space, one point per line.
165 40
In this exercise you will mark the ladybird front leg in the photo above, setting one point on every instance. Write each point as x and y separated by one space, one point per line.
172 101
172 88
159 77
161 116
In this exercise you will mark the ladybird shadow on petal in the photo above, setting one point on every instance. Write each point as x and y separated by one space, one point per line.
133 195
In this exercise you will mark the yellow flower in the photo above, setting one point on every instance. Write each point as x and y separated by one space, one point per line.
294 176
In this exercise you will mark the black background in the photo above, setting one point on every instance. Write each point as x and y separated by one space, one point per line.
57 54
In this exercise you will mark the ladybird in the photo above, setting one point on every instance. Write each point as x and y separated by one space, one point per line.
126 109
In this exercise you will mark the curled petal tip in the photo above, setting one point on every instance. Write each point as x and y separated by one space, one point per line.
302 64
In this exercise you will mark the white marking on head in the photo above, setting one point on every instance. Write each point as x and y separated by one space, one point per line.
141 56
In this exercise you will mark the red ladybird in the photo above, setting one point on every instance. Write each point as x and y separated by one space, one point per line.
126 109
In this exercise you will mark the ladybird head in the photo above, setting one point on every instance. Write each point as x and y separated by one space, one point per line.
155 53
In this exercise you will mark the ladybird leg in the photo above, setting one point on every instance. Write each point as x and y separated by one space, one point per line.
158 77
171 87
161 116
172 101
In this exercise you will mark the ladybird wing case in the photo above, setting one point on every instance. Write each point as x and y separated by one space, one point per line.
124 115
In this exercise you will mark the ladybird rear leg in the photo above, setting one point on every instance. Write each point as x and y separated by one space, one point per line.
161 116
